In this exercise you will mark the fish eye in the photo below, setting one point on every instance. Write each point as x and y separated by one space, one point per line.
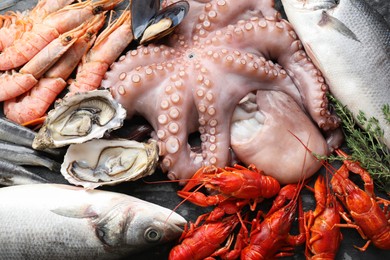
152 235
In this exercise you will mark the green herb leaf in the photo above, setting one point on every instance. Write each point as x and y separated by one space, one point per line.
365 145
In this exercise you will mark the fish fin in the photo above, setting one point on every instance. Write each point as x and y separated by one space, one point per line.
75 212
334 23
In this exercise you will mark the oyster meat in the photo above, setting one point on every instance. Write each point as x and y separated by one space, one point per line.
109 162
80 118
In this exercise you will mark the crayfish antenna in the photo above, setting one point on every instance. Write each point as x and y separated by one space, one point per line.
181 203
330 168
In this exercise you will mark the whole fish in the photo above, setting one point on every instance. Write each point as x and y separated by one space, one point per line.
4 4
12 174
349 41
52 221
21 155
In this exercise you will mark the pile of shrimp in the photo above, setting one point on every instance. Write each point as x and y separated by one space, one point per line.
40 49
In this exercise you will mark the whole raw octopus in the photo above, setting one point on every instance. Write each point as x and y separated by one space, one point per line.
194 80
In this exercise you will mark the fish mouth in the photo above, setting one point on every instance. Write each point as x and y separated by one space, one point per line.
174 226
179 224
177 229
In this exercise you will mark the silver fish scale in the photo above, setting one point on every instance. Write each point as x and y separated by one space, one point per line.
26 241
352 49
380 31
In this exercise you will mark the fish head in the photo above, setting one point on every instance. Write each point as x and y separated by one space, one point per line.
310 5
152 225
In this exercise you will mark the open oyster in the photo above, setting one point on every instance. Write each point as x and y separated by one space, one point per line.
79 118
109 162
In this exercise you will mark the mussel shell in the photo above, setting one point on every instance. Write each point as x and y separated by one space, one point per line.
142 11
109 162
175 13
79 118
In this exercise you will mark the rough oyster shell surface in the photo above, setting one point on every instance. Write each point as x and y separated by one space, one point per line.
109 162
80 118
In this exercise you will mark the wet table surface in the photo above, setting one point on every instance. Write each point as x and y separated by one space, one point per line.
164 194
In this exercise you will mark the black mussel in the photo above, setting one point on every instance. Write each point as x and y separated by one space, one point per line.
165 21
160 24
142 11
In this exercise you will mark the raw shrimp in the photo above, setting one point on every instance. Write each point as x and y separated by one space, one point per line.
107 48
35 103
23 22
41 34
13 25
16 83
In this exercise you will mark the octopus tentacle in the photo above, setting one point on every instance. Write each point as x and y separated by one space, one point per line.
137 58
211 99
132 86
195 81
212 124
208 16
277 41
255 68
172 133
136 89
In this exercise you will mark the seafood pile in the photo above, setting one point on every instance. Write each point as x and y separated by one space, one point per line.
39 51
235 75
269 237
16 153
175 84
366 48
47 216
38 56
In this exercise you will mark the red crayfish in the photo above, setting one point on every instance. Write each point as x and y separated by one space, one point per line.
369 219
204 241
270 238
238 182
323 236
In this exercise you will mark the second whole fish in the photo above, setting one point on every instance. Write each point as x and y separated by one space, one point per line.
350 43
4 4
12 174
21 155
21 135
51 221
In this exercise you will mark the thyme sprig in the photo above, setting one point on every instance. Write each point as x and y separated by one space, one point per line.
365 145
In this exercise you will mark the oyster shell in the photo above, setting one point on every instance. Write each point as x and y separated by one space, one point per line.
109 162
79 118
